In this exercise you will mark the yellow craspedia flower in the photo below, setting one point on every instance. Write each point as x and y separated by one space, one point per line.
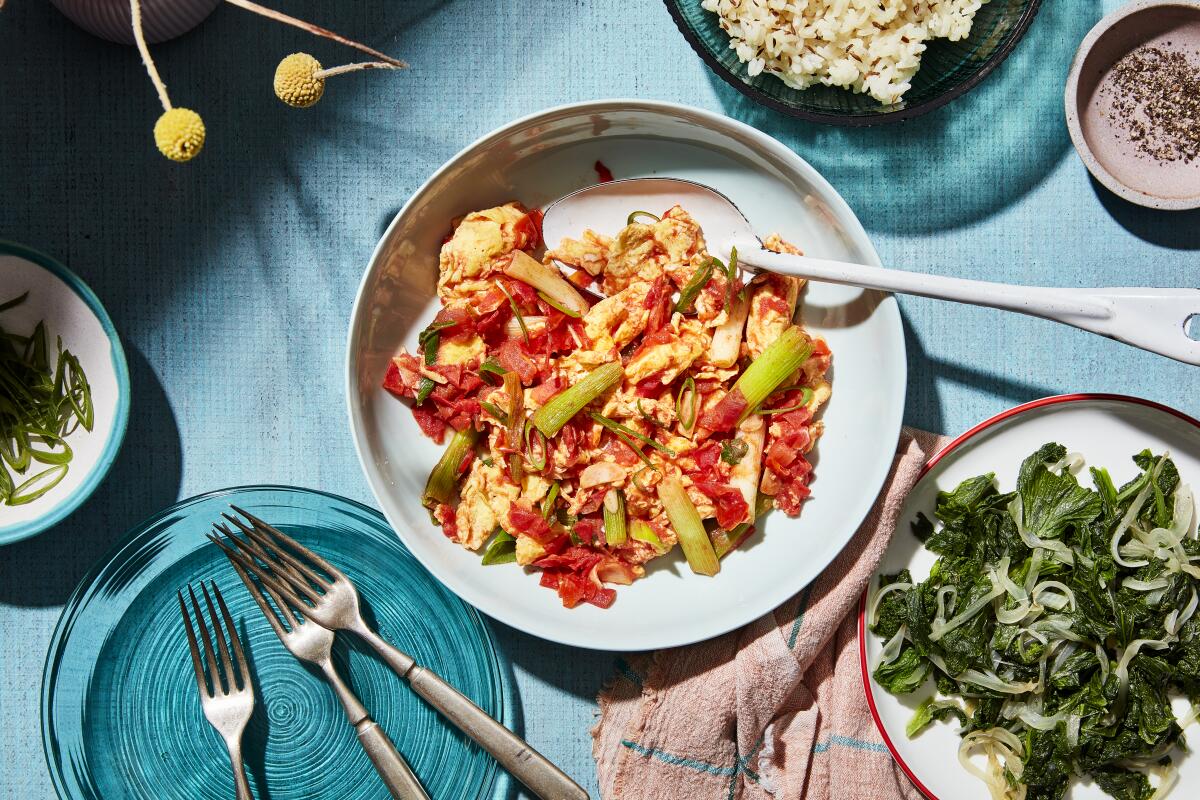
179 134
296 80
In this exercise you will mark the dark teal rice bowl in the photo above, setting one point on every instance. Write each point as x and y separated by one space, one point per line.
948 69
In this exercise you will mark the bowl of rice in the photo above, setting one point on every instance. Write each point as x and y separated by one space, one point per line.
853 62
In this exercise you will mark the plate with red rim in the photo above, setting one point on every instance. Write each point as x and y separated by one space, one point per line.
1106 430
536 160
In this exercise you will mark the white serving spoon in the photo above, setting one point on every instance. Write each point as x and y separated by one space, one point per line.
1157 320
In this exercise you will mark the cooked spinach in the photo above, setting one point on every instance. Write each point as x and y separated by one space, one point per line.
1056 625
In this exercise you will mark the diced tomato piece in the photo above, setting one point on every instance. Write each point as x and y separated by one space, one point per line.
529 522
651 387
730 504
525 295
620 451
594 501
461 323
392 382
581 278
528 230
590 530
707 457
602 172
546 389
658 301
724 415
571 572
445 515
430 423
773 302
515 358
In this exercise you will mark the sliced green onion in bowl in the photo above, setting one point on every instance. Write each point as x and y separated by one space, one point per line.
693 538
633 217
501 550
691 290
687 403
561 408
443 481
515 310
614 518
617 427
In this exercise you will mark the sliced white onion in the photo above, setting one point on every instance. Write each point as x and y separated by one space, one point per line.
873 612
1035 569
1064 596
892 649
1122 670
1073 462
992 681
1145 586
997 744
1059 550
1130 515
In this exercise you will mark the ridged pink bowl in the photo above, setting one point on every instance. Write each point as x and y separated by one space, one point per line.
161 19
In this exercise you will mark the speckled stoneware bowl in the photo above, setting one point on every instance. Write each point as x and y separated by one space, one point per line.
161 19
1104 147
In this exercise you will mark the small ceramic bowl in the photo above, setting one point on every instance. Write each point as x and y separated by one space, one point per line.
1102 143
71 311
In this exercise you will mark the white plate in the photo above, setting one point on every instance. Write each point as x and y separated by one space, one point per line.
536 160
70 310
1107 430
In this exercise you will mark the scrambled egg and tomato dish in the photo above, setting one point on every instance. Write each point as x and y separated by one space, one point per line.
683 328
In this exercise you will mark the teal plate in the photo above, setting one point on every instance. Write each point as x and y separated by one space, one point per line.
121 716
948 69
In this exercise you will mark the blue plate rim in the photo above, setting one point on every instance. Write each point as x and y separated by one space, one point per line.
504 783
25 530
849 120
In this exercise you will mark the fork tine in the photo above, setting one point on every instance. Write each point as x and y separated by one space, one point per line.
299 548
209 657
239 655
193 648
219 636
280 569
270 580
265 541
258 598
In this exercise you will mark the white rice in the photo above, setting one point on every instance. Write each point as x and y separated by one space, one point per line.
871 46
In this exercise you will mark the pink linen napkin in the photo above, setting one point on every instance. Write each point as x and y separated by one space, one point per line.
773 711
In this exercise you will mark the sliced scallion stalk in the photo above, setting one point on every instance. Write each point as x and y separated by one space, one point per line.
443 481
424 389
38 485
554 286
772 367
687 403
614 517
806 397
640 531
617 427
697 547
495 411
502 550
491 367
633 217
515 310
691 290
516 425
549 501
550 301
559 410
535 451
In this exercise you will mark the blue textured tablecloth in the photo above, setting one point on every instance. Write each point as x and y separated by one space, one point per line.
231 278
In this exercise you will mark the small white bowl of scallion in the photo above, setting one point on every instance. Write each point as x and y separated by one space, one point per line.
64 392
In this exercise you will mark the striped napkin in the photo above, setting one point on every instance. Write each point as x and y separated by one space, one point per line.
773 711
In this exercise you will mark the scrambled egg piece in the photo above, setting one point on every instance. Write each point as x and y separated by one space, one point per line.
669 359
772 305
476 249
529 550
461 352
589 254
486 496
615 321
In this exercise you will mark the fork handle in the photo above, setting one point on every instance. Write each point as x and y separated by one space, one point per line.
241 786
511 751
391 766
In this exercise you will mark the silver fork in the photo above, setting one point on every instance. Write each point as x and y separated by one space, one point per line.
312 643
332 601
227 706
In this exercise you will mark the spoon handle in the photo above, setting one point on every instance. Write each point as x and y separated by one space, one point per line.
1152 319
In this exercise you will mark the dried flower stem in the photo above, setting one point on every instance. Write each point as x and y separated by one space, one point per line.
395 63
135 11
329 73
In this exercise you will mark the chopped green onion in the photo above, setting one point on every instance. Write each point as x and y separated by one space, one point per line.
733 451
556 413
687 403
551 499
516 311
491 367
443 481
697 547
533 447
550 301
633 217
636 479
38 485
502 550
640 531
731 273
646 415
806 397
424 389
614 517
527 269
772 367
688 294
516 424
495 411
429 340
617 427
487 461
16 301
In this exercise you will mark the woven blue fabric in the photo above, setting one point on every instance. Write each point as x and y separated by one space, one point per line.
231 278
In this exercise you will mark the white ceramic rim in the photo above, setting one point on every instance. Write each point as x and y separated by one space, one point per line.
771 597
1071 106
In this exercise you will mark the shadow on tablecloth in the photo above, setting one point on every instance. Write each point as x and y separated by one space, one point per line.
961 163
44 570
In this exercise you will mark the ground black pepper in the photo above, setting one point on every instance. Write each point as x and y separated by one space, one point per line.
1154 94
